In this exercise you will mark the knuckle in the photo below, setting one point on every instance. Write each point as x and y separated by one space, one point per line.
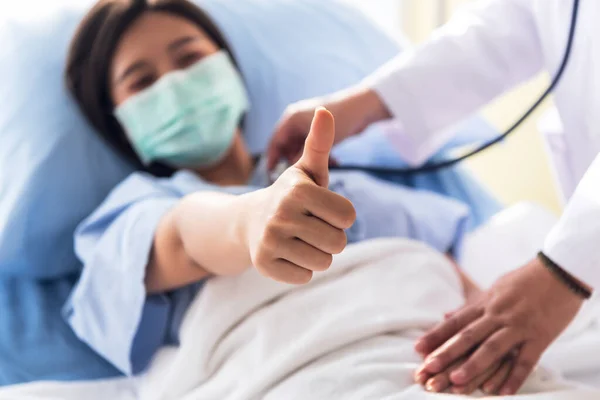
491 347
327 262
348 216
299 191
467 336
324 263
280 218
263 265
301 277
496 312
272 231
495 322
452 323
339 242
263 258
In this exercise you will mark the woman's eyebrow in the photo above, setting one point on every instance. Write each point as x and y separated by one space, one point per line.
176 44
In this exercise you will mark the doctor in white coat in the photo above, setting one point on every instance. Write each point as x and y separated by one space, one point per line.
484 51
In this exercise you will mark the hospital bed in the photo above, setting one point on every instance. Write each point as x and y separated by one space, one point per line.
51 125
507 241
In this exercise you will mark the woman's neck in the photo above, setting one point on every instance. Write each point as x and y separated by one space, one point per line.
234 169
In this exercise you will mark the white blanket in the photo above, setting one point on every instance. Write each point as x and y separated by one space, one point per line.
347 335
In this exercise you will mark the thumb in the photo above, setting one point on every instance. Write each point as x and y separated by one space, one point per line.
315 158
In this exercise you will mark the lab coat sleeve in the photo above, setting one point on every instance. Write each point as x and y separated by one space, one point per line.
485 49
108 308
573 243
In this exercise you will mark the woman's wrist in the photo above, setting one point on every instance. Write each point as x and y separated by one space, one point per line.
211 228
376 109
241 233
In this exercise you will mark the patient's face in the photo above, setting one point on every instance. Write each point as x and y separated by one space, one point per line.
156 44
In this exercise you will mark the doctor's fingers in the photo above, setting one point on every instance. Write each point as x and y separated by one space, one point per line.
445 330
495 347
479 380
440 382
460 345
493 384
528 357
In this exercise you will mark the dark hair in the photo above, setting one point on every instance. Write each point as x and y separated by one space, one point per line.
91 53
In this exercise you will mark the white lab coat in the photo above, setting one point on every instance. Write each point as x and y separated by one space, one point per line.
488 48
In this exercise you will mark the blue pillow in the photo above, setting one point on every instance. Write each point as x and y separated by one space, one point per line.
54 170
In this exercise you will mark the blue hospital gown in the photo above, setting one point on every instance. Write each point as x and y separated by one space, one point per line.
109 309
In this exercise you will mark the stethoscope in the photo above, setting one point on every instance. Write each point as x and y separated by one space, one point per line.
432 167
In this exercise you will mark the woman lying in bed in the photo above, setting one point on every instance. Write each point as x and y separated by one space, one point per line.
158 82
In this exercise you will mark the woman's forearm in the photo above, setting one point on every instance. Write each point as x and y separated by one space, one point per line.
203 235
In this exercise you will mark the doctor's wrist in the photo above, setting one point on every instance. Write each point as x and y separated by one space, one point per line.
366 103
573 284
377 110
355 109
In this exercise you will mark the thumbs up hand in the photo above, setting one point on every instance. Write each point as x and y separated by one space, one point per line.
295 226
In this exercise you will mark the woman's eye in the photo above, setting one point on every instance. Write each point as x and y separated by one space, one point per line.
142 83
189 59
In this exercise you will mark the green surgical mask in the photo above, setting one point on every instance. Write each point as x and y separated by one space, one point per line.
189 117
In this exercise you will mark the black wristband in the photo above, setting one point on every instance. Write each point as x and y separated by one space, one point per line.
564 277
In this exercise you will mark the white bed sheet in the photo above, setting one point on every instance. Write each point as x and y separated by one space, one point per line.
505 243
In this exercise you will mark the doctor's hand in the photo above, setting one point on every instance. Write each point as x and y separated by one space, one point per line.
523 312
297 224
354 111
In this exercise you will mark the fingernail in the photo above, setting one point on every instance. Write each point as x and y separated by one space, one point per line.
432 385
420 346
458 390
433 365
421 378
506 392
418 376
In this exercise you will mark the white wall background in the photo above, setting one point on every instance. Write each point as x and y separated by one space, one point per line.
387 13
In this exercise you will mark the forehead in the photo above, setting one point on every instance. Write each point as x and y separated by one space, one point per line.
152 33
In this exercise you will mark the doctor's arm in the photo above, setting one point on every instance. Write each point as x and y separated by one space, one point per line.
483 51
